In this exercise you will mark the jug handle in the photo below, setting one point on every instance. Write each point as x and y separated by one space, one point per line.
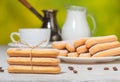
94 22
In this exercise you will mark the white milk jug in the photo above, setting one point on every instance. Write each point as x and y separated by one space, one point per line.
76 25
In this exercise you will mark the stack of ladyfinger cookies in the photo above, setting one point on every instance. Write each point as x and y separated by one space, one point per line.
26 60
102 46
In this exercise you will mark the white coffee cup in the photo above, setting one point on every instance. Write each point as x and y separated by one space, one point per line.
32 36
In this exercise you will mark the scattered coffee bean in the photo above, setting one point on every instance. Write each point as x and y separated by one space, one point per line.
106 68
1 70
75 71
70 68
115 68
89 68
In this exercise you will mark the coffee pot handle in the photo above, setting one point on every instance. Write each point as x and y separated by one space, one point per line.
94 22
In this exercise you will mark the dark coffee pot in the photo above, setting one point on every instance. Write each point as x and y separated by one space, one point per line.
49 20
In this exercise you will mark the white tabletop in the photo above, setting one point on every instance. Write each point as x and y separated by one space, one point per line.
97 74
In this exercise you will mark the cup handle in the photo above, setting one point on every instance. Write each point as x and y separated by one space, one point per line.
12 36
94 22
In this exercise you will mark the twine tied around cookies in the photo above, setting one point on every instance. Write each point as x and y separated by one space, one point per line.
31 48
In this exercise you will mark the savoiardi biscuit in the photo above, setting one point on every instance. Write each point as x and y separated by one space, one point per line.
80 42
26 52
107 53
70 46
82 49
34 69
102 39
63 53
73 54
59 45
85 55
103 46
34 61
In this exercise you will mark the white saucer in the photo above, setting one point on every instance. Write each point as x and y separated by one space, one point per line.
21 45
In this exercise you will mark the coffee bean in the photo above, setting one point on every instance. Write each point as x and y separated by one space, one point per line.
106 68
75 71
115 68
89 68
1 70
70 68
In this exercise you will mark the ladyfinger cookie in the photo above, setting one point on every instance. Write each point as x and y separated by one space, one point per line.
84 55
80 42
70 46
82 49
26 52
103 46
63 53
34 69
73 54
59 45
109 52
34 61
95 40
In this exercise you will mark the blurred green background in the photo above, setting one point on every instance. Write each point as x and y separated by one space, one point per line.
13 15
